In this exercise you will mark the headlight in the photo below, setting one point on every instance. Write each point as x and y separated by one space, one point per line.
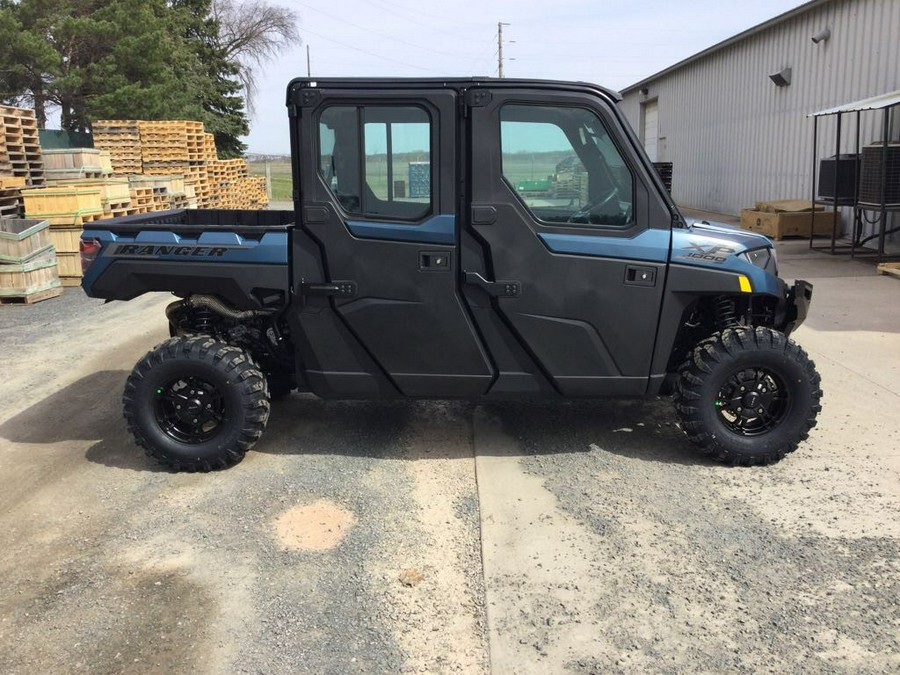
761 257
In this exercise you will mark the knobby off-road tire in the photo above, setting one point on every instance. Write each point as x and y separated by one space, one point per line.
196 404
748 396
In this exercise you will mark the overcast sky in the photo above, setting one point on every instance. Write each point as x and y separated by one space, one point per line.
610 43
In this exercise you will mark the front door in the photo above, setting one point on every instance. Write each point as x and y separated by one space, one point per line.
569 240
376 257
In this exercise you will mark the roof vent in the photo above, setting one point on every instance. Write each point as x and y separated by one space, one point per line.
782 78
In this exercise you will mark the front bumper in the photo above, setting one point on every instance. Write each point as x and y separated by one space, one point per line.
795 306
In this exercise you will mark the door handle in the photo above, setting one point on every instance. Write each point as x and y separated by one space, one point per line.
338 289
636 275
496 289
434 261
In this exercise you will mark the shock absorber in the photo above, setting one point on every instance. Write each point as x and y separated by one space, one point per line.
726 317
202 320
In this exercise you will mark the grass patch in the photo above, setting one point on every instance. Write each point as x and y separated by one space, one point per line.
280 173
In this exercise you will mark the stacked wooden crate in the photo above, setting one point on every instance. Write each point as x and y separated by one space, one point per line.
28 268
74 163
89 168
122 140
67 208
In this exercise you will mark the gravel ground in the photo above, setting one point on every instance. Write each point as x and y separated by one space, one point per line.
109 563
694 568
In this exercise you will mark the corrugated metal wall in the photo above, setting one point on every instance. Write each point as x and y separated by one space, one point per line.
735 138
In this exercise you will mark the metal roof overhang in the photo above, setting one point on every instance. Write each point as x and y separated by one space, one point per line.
872 103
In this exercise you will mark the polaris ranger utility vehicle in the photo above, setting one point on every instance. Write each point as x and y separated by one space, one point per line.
467 238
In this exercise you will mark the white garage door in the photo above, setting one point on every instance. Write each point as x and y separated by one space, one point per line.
651 129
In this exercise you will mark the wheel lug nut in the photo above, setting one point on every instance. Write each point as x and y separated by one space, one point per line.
177 407
760 411
739 409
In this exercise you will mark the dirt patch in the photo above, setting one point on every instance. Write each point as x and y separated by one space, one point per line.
429 569
320 526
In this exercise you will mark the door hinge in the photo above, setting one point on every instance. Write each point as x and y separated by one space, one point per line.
477 98
496 289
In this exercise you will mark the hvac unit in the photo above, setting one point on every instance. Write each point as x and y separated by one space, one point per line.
846 169
664 169
871 179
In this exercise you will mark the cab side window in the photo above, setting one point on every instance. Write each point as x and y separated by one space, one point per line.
378 160
564 166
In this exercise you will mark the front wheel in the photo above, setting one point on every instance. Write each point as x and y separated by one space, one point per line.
196 404
748 396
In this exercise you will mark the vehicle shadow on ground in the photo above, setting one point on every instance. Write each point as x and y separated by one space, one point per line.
638 429
89 409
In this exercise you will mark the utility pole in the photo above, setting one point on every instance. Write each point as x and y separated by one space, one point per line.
308 70
500 25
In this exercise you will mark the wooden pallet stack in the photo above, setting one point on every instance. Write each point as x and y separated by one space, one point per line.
122 140
28 266
11 196
142 199
201 173
227 177
254 193
22 155
164 146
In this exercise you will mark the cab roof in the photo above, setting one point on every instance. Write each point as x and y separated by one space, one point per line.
443 83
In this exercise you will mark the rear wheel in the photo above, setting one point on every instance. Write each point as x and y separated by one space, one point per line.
196 404
748 396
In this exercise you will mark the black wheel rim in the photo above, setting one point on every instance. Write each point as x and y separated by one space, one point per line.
190 410
752 401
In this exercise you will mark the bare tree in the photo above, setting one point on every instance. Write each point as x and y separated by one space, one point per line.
253 32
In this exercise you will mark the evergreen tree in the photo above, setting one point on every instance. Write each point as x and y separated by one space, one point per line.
132 59
214 78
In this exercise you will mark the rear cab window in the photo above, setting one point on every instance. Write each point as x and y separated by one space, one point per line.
378 160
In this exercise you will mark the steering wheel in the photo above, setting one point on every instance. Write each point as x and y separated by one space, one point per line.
584 213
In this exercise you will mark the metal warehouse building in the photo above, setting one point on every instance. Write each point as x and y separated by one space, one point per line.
733 118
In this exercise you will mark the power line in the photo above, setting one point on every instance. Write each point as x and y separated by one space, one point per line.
364 51
419 12
375 32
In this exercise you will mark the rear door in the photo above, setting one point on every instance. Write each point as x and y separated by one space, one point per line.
377 256
569 236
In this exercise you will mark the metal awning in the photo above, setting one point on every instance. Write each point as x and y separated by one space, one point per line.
872 103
